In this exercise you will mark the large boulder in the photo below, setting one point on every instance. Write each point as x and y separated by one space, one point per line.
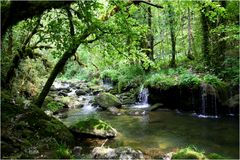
106 100
116 153
92 127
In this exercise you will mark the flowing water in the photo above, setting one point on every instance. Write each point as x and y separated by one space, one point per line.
166 130
142 98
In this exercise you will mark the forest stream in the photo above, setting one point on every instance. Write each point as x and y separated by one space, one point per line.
162 130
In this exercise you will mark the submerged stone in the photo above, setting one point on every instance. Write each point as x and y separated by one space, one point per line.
116 153
94 127
106 100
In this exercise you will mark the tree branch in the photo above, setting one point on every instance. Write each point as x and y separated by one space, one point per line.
70 17
136 2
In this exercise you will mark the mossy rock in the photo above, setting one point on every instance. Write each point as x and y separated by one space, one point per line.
53 106
215 156
106 100
94 127
188 153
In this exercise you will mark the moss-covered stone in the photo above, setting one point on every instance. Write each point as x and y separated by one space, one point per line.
94 127
215 156
188 153
106 100
53 106
27 132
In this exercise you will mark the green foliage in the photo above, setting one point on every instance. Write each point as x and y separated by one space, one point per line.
213 80
215 156
189 153
189 79
110 73
64 152
53 106
125 75
160 80
90 124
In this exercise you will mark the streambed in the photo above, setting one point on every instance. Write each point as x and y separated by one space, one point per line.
165 130
158 132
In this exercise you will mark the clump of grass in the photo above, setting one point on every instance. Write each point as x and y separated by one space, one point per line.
189 153
64 152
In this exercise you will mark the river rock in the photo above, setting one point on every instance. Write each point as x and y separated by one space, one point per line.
155 106
80 92
106 100
70 102
114 111
137 112
116 153
94 127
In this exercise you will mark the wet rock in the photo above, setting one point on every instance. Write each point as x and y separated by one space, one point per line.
31 150
77 151
60 111
168 156
49 113
128 97
70 102
106 100
116 153
62 93
93 128
80 92
136 112
114 111
155 106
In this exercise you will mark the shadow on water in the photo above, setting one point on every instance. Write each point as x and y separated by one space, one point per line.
167 130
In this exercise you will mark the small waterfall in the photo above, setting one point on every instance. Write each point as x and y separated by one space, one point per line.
87 107
142 98
107 83
203 100
143 95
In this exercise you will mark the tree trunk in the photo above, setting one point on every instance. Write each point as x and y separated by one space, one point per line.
22 53
57 69
221 47
10 41
205 30
70 52
150 39
189 55
172 33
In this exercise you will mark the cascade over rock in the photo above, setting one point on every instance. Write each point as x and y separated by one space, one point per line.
203 99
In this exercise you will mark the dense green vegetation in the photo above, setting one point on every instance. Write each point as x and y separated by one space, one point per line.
158 44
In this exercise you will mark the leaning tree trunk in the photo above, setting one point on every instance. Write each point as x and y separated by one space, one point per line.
172 34
57 69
